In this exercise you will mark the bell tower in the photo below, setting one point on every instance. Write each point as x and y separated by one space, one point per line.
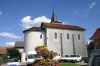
54 18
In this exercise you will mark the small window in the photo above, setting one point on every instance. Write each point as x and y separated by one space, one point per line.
78 36
40 36
67 36
55 35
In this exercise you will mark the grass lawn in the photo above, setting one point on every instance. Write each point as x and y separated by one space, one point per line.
68 64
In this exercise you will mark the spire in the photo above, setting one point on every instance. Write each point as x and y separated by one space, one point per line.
54 18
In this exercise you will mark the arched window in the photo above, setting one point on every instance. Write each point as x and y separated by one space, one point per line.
78 36
67 35
40 36
55 35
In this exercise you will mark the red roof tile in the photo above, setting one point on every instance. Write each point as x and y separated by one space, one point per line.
96 35
62 26
3 50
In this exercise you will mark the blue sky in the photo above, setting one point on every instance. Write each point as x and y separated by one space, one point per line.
17 15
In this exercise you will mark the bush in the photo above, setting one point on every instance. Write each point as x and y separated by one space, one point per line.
44 52
47 56
3 59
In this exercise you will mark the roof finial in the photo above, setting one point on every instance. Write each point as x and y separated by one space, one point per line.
54 17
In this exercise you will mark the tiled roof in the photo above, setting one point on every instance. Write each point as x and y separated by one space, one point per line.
19 44
62 26
54 25
96 35
34 29
3 50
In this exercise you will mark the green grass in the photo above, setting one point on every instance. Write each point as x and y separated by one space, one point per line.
68 64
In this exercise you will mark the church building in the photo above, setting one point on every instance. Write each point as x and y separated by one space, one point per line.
63 39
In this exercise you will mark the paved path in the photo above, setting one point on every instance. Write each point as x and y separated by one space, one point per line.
3 65
21 64
82 63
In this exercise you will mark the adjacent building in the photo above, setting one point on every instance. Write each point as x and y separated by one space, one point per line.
20 46
95 41
96 38
3 50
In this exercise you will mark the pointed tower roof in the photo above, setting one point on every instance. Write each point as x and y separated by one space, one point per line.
54 18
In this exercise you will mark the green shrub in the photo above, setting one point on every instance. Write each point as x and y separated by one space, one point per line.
3 59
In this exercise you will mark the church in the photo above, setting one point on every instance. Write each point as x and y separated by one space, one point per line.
58 37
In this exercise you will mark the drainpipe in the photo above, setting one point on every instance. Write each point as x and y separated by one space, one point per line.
61 44
73 42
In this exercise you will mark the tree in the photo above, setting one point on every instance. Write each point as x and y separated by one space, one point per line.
13 53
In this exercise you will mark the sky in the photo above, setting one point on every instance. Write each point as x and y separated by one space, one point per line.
18 15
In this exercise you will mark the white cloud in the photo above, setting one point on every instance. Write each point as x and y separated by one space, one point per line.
0 12
92 5
10 43
27 22
8 35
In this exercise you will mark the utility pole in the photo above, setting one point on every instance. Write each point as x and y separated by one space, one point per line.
61 44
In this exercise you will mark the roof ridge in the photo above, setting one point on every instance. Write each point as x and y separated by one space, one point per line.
33 28
55 25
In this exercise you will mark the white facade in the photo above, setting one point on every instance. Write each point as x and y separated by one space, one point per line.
73 45
32 39
63 44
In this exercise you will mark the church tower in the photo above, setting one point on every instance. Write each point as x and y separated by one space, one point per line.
54 18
